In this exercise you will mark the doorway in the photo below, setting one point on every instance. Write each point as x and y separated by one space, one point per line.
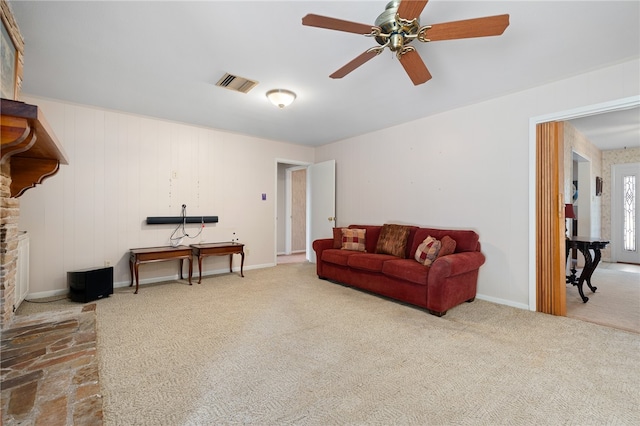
625 220
320 199
291 214
615 302
546 277
581 188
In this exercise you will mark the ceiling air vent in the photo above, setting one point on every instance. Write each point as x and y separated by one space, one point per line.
235 83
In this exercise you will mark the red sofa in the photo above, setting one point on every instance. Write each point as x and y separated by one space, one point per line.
447 282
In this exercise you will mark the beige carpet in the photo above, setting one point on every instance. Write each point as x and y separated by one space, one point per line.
292 258
616 302
282 347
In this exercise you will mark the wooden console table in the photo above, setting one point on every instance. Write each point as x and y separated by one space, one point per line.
218 249
584 245
158 254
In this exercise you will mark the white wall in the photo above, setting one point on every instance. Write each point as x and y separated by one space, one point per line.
121 170
466 168
609 159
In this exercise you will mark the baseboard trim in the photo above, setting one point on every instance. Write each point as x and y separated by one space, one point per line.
121 284
194 277
503 301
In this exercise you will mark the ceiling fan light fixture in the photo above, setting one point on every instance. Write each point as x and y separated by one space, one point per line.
397 42
281 97
398 26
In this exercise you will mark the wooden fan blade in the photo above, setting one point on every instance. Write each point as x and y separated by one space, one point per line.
312 20
468 28
355 63
410 9
415 67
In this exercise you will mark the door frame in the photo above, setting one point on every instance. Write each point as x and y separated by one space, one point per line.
288 190
287 211
535 180
616 209
292 163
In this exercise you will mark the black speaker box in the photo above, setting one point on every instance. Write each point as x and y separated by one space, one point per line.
90 284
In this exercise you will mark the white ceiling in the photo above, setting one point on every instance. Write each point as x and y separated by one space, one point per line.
612 130
163 58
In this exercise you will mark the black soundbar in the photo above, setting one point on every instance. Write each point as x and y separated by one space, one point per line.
159 220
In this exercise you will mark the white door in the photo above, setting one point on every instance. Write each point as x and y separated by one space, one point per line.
625 220
321 203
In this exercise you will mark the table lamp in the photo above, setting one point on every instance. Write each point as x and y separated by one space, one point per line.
569 213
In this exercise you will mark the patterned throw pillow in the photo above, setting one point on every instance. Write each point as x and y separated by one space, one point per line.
428 250
393 240
353 239
448 246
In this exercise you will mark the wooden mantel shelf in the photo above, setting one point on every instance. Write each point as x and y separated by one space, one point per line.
29 144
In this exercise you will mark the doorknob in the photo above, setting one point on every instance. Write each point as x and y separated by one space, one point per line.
331 219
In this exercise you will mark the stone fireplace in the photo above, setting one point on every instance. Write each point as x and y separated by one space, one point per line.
29 153
10 213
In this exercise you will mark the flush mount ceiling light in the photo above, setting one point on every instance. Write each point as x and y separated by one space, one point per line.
281 97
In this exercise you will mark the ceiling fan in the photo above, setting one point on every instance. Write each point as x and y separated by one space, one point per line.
398 26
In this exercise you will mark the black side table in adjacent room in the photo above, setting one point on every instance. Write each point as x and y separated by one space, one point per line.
585 245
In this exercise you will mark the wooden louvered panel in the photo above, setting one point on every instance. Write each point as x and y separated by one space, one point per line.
550 243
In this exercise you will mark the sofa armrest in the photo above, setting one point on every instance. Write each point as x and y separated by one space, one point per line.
453 279
455 264
322 244
319 246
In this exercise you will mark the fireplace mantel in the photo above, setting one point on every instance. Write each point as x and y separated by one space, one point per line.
30 145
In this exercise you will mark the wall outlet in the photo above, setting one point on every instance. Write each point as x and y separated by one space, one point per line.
107 263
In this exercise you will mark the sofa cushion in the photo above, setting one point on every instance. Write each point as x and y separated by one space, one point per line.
337 256
393 240
369 261
448 246
373 232
428 250
353 239
337 238
412 233
465 240
407 270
